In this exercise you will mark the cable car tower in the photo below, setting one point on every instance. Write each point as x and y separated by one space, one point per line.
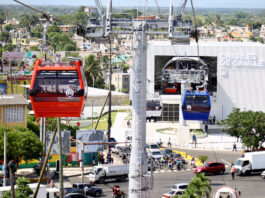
101 28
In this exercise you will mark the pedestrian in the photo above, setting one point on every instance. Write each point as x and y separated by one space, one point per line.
206 129
234 147
86 189
233 171
210 120
52 182
93 160
128 124
169 142
214 118
194 140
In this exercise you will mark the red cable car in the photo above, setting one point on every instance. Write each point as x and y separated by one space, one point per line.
58 89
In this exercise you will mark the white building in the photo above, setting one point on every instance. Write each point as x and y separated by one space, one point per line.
237 75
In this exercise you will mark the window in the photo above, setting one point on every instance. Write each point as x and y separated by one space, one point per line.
56 81
14 114
170 112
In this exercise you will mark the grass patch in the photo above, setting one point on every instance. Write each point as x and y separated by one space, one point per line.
103 122
165 131
196 131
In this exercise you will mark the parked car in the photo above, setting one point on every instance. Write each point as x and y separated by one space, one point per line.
115 149
74 195
155 154
112 140
167 152
181 186
177 155
173 193
211 167
263 174
124 150
153 147
92 189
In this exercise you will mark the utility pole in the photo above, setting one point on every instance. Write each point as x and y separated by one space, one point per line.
110 78
5 164
100 29
138 165
60 158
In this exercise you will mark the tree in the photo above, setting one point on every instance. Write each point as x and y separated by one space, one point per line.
22 191
5 37
93 71
21 143
248 125
203 158
198 187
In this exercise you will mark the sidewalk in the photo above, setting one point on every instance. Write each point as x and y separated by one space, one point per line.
215 140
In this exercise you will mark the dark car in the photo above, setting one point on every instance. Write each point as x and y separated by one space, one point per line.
75 195
167 152
92 190
124 150
177 155
211 167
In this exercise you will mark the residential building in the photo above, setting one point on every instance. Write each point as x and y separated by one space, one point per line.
121 81
13 110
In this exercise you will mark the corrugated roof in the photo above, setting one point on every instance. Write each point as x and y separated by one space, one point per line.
14 99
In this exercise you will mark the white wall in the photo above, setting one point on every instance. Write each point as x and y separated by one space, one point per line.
240 72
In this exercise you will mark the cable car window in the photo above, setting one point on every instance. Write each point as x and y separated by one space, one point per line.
196 103
58 82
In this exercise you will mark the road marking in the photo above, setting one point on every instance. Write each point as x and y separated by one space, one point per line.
229 164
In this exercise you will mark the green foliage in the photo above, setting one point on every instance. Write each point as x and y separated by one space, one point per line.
34 48
60 41
37 31
32 126
93 72
128 14
5 37
124 90
22 191
203 158
28 21
248 125
21 143
199 187
9 47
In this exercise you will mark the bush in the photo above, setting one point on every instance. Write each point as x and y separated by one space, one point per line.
203 158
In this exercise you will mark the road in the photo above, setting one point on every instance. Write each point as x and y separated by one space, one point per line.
250 186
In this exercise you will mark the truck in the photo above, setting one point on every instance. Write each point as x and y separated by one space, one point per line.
101 173
251 162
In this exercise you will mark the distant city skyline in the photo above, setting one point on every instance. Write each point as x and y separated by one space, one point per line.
162 3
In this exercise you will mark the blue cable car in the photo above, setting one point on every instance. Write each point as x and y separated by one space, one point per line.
196 106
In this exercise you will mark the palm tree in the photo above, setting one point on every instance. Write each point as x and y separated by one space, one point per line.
199 187
93 71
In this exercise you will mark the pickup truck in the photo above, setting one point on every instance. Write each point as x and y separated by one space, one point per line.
92 190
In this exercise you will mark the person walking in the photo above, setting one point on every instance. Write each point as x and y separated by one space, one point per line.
169 142
206 129
194 140
214 118
234 147
233 171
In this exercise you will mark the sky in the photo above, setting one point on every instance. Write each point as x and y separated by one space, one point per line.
162 3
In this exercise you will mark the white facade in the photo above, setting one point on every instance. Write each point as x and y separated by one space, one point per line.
240 73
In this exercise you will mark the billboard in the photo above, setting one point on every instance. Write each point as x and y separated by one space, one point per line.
90 136
169 87
55 147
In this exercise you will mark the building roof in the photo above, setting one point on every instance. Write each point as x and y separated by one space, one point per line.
15 99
